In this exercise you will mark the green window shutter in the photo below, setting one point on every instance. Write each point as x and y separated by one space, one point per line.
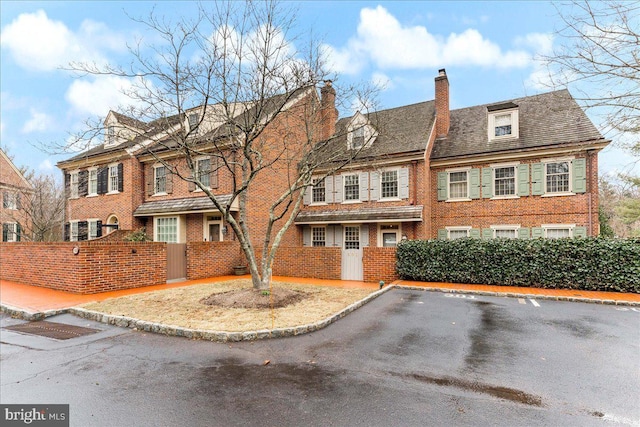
523 180
306 235
442 234
487 183
579 175
120 177
306 198
5 232
580 232
19 232
474 183
474 233
524 233
487 233
442 186
537 179
537 232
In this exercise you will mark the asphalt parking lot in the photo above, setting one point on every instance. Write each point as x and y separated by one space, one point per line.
407 358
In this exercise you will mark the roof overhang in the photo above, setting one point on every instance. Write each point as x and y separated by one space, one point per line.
183 206
360 216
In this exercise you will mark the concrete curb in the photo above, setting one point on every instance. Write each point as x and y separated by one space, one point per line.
518 295
221 336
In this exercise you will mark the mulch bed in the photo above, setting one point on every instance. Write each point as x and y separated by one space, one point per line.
253 298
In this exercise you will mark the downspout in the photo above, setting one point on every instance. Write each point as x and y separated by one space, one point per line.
590 187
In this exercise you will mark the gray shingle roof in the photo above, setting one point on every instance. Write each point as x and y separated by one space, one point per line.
404 213
189 204
544 120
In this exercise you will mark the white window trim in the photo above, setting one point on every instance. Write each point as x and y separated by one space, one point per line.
74 194
312 203
161 193
89 193
324 227
390 199
457 228
514 227
197 171
515 128
493 180
398 233
12 199
458 199
89 221
344 191
544 177
206 222
370 134
72 237
12 232
546 227
344 235
180 227
109 189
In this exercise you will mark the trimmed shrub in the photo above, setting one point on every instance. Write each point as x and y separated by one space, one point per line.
594 264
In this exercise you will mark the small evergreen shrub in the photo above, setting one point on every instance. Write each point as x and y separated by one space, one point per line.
594 264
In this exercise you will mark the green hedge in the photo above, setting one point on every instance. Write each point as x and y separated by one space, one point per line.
585 263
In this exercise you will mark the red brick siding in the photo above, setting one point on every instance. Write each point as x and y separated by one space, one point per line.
98 267
379 264
318 263
211 259
528 211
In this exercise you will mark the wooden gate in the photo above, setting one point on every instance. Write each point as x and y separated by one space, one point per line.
176 261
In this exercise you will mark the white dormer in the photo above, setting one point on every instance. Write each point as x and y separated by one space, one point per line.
360 133
503 121
119 128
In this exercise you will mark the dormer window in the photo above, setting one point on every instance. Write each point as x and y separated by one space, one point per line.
360 133
111 135
193 123
502 121
357 140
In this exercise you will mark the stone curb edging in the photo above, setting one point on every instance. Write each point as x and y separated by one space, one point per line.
221 336
518 295
31 316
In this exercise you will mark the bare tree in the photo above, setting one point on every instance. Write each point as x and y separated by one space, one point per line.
232 84
598 58
620 204
44 208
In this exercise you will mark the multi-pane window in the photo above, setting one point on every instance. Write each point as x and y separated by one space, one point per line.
352 237
9 200
502 124
111 135
318 236
557 233
10 232
73 181
113 179
505 181
93 228
557 177
351 187
318 192
357 136
505 233
458 234
167 230
389 184
458 185
73 231
193 123
93 181
160 179
203 169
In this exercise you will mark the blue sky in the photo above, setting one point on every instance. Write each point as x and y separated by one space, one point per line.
487 48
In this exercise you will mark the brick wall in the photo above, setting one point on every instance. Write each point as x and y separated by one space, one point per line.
211 259
318 262
379 264
99 266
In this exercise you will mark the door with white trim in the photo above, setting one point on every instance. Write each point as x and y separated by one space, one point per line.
352 254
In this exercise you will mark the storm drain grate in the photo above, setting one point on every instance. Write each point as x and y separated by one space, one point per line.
59 331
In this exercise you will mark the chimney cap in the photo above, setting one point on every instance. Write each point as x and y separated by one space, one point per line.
442 72
328 82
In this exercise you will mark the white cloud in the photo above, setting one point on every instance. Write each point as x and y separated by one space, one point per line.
98 96
388 44
382 81
46 165
39 43
39 122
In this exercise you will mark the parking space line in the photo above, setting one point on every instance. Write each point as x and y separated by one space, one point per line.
534 302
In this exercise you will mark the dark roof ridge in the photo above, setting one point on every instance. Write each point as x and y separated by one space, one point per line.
504 101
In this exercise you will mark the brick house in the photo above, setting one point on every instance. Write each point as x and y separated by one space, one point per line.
520 168
16 191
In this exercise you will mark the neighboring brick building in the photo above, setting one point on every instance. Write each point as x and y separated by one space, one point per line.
519 168
15 192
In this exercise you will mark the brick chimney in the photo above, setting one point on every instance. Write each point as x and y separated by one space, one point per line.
328 111
442 103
